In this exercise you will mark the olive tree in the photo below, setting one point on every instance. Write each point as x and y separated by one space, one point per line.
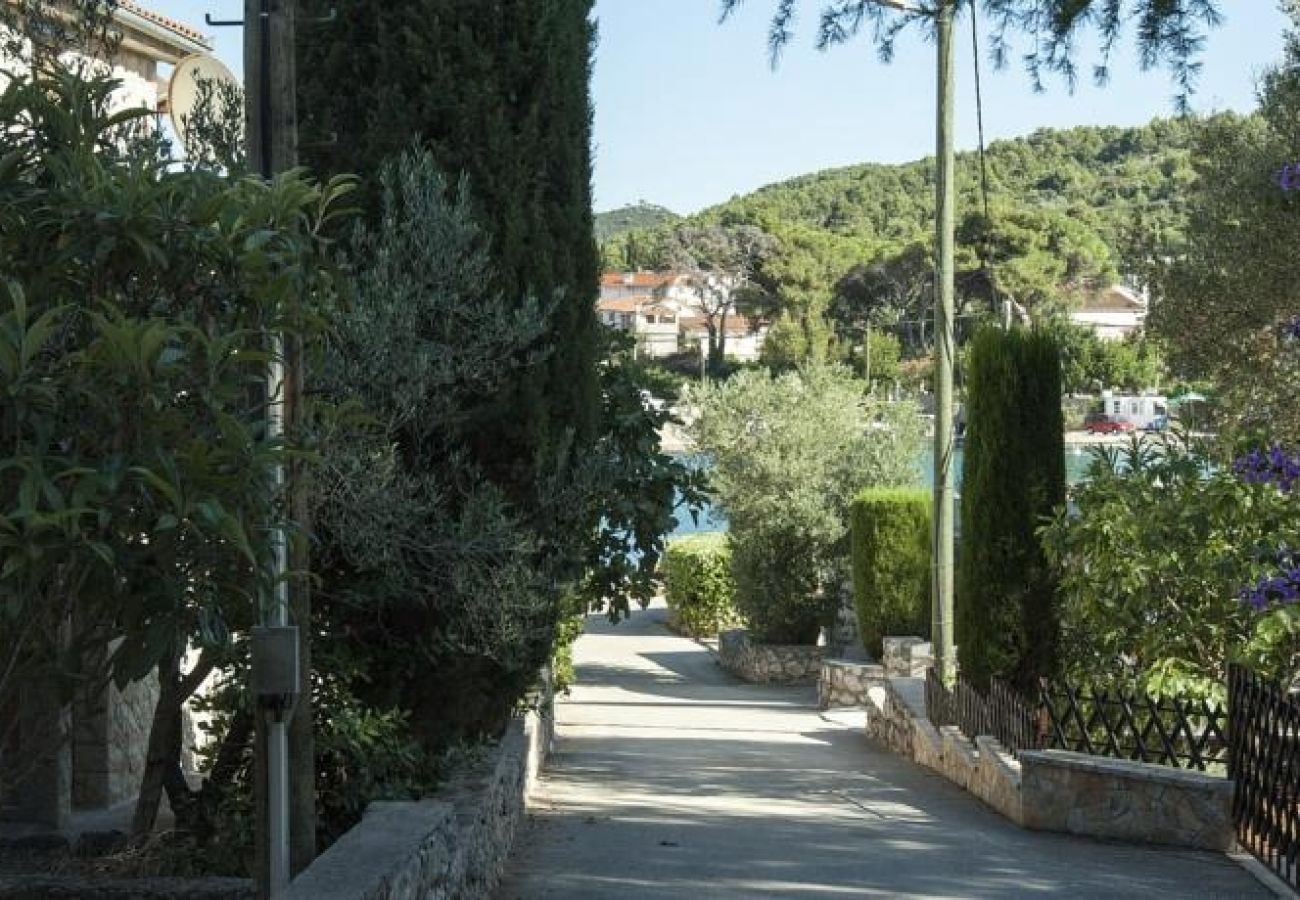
788 455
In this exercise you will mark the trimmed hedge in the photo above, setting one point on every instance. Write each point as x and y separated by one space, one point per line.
891 563
698 585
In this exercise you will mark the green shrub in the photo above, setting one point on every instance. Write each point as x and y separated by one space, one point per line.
1006 607
890 534
698 585
787 454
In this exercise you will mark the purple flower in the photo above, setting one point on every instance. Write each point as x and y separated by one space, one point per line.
1275 466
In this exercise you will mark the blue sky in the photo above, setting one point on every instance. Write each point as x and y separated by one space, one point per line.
688 113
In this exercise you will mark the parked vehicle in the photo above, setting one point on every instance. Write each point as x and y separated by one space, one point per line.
1101 423
1159 423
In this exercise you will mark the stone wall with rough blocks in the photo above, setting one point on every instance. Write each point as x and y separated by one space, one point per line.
1052 790
1123 800
769 663
844 682
453 845
907 656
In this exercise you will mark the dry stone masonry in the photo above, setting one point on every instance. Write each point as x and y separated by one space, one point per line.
1053 790
769 663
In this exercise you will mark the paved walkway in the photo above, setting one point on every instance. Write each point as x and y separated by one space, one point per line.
674 780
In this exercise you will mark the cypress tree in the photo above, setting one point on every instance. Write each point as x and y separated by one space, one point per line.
1007 621
498 91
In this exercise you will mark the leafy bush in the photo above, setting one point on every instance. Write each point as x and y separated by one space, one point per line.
1006 606
1153 565
891 563
788 454
697 583
566 635
136 475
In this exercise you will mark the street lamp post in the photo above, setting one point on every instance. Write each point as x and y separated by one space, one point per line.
945 226
945 240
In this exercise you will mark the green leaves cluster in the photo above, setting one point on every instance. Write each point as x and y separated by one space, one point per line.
788 454
135 308
1152 564
1225 298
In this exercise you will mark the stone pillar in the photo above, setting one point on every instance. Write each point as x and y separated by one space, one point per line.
44 794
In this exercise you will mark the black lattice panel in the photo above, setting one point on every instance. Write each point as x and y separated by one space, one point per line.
1182 733
1265 766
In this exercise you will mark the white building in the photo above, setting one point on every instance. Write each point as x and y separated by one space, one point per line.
1139 409
1113 312
150 44
653 323
666 311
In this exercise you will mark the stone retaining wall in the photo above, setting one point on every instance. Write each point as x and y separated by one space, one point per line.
844 682
769 663
1052 790
1123 800
453 845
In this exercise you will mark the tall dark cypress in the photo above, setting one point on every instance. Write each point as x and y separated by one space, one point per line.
499 90
1014 477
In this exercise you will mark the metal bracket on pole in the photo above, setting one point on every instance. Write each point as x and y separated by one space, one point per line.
221 23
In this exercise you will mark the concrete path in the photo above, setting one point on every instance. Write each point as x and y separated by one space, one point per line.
672 779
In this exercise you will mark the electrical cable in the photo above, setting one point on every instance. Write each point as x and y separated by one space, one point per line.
982 247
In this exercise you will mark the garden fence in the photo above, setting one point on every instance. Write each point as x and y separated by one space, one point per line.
1168 731
1000 713
1264 765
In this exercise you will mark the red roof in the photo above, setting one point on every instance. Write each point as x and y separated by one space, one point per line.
633 304
170 24
645 280
736 324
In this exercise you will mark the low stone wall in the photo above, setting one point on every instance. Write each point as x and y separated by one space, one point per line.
453 845
769 663
1052 790
1123 800
39 887
844 682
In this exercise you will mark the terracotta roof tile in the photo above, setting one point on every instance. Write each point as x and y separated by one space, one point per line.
170 24
638 279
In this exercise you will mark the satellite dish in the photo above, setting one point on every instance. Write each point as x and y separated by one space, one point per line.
183 89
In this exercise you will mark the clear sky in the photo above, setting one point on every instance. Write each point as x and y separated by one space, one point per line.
688 113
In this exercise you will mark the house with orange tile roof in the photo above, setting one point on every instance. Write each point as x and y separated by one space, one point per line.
1112 311
639 301
148 45
652 322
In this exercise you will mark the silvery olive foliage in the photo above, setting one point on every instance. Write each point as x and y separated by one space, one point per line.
788 454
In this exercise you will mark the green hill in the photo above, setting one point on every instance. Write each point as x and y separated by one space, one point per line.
631 218
1105 179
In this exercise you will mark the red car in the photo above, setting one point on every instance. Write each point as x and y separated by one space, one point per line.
1100 423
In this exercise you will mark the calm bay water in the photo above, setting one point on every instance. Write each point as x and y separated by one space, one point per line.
1077 460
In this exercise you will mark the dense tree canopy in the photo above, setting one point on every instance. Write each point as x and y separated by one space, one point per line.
1227 303
1167 33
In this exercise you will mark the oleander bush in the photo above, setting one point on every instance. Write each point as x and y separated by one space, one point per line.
698 585
890 538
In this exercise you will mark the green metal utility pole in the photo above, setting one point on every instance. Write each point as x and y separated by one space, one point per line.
944 494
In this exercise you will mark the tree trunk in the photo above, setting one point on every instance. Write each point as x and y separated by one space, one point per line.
163 759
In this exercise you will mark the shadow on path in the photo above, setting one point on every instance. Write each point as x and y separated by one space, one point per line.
672 779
